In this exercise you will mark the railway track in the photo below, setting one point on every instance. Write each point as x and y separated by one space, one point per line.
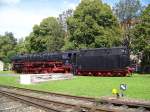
53 106
52 96
50 93
69 103
127 104
9 105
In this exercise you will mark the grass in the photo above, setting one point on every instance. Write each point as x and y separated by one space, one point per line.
138 85
6 72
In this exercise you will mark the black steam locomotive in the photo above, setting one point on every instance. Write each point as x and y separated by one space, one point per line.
92 62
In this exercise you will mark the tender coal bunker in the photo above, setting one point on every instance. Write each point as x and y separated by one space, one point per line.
103 59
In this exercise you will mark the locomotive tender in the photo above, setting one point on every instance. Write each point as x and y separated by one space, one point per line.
92 62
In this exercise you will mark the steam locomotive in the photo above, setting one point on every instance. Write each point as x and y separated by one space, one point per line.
92 62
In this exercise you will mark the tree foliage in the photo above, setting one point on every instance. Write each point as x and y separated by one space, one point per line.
127 12
7 46
127 9
21 46
93 25
48 36
141 36
63 18
141 32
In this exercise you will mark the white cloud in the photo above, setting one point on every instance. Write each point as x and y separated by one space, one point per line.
70 5
21 22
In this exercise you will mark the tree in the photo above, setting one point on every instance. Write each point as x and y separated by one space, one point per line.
21 46
141 32
48 36
63 18
93 25
127 12
141 36
7 46
127 9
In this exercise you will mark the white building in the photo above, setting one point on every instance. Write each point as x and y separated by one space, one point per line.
1 66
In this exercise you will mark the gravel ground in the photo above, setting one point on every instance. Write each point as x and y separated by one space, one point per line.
9 105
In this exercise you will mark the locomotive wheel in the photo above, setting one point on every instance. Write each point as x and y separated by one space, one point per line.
109 74
99 74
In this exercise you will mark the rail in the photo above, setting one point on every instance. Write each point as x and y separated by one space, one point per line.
129 104
53 105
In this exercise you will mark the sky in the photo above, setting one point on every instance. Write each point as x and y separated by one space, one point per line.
19 16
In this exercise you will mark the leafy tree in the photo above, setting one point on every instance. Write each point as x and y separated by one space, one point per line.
48 36
68 45
141 36
127 9
63 18
93 25
127 12
7 46
21 47
146 56
141 32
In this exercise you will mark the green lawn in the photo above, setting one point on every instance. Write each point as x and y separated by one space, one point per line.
6 72
138 85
